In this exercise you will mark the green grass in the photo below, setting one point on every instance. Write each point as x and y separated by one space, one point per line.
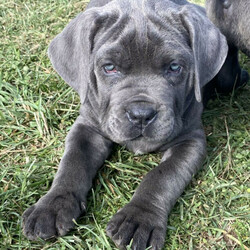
36 111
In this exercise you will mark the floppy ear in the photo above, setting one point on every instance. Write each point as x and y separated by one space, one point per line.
70 51
208 44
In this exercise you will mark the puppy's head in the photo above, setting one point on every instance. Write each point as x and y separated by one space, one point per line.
136 63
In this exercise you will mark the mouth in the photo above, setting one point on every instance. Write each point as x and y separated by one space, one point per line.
137 138
146 135
141 135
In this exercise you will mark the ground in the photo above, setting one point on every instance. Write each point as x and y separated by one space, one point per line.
37 110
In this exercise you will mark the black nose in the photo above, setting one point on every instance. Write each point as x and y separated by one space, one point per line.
141 115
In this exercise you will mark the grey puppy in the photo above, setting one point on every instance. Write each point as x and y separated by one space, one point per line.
139 67
232 18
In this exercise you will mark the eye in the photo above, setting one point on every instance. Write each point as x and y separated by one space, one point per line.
110 69
174 68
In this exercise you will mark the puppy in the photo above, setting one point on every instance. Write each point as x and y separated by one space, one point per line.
139 67
232 18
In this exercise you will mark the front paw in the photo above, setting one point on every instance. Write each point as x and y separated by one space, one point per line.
51 216
147 227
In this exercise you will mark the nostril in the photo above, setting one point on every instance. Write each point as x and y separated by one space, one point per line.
150 115
133 117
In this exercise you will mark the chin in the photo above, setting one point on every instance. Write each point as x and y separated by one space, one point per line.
142 145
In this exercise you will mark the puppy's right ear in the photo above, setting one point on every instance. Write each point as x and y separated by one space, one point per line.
70 51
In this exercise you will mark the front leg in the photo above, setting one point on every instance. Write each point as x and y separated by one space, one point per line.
144 219
53 214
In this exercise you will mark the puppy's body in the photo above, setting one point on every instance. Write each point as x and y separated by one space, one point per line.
140 68
232 18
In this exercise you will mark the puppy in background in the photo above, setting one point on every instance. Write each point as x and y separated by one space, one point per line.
232 18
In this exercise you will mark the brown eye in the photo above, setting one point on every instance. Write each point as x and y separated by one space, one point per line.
110 69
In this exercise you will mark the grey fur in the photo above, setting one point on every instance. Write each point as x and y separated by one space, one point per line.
142 39
232 17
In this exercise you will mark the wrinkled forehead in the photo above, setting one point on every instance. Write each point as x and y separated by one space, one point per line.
143 34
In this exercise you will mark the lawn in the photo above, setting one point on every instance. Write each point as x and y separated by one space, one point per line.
37 110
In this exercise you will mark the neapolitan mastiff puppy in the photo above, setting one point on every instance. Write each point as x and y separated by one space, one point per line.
232 17
139 67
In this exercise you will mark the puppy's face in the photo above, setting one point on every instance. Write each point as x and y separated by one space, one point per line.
137 66
142 79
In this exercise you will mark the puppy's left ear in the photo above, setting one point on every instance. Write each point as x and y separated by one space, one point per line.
208 44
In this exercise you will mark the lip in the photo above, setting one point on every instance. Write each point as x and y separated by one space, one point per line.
164 138
137 137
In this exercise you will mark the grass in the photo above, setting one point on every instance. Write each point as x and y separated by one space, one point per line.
36 111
